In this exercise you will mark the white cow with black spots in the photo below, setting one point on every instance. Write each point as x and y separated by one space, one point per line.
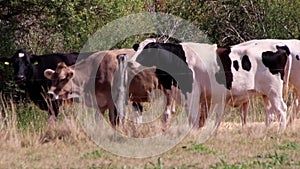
292 78
188 64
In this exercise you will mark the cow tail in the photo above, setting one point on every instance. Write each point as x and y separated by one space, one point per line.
286 79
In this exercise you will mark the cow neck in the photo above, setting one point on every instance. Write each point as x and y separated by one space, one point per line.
30 77
85 72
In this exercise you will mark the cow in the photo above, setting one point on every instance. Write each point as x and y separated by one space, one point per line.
242 72
275 57
142 81
98 72
28 72
292 78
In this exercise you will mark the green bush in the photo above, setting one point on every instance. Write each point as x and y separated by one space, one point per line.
65 25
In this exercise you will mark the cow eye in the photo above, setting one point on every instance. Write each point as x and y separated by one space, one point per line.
62 80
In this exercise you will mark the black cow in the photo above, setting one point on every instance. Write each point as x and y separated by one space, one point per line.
29 73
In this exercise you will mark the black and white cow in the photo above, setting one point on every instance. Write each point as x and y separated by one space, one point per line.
29 73
293 67
242 72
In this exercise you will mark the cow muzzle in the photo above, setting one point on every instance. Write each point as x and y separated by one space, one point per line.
52 95
21 79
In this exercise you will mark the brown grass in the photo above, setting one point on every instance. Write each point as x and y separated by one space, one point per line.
231 143
65 145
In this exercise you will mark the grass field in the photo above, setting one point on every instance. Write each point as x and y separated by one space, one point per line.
28 142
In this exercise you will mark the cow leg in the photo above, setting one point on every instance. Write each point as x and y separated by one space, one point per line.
296 107
170 105
168 110
280 108
193 112
203 114
104 102
244 109
97 116
167 114
173 108
268 111
138 108
113 117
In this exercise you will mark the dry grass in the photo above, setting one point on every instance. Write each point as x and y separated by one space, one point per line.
65 145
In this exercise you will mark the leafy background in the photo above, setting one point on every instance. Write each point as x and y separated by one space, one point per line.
40 26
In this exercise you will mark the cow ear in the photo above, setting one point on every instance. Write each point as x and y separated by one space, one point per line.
48 73
70 74
135 46
35 60
5 60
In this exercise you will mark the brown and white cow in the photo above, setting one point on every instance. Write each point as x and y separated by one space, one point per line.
92 79
242 72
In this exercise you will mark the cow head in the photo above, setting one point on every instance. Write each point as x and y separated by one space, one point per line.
22 63
61 80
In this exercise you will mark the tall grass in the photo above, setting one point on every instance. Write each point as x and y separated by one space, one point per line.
23 124
257 111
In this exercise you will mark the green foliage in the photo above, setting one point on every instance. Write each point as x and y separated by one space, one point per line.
26 117
57 25
228 22
7 83
270 160
282 19
273 159
289 145
53 26
224 165
201 149
29 117
65 25
94 155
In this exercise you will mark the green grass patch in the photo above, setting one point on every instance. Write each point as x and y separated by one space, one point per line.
30 117
270 160
158 165
289 145
275 158
224 165
201 149
93 155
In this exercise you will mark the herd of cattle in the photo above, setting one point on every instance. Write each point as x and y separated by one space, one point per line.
265 68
